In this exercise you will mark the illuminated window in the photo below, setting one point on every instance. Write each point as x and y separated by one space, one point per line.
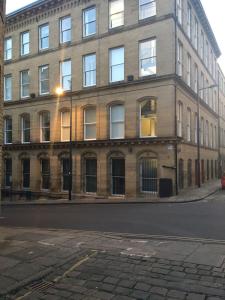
116 13
65 126
90 124
148 118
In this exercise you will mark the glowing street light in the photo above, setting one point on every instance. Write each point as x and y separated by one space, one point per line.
59 91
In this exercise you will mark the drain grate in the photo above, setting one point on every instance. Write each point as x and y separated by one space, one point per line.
41 286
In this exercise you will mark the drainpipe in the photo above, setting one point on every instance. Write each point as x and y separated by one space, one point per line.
175 104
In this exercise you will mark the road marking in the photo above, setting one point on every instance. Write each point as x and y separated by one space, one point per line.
46 244
86 258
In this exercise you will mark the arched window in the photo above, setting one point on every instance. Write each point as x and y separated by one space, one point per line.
25 129
148 118
8 130
117 116
90 123
65 126
45 126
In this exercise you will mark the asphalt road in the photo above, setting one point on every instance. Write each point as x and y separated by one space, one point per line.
205 219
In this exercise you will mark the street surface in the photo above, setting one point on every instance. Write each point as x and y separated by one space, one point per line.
46 264
204 219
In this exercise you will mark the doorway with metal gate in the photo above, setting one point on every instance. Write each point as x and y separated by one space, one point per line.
118 176
148 176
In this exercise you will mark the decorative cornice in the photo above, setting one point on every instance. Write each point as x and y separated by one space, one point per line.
97 143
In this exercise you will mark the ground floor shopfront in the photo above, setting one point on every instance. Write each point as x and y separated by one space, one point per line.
113 169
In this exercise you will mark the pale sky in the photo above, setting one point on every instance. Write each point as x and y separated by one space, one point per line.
214 9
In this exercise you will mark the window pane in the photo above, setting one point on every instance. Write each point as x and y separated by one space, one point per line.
90 131
117 56
66 75
65 30
90 115
147 8
117 113
116 12
66 118
90 70
117 130
91 175
44 80
26 173
148 58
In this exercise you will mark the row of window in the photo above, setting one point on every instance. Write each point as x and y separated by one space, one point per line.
209 170
148 175
147 8
117 124
147 63
195 80
197 38
208 132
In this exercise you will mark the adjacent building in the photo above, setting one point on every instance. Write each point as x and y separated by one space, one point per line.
2 27
140 80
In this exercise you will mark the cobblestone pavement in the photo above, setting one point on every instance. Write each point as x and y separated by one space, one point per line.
45 264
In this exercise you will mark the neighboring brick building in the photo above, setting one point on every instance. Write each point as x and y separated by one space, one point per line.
2 27
133 69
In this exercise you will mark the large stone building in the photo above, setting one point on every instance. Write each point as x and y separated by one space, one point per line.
2 27
132 72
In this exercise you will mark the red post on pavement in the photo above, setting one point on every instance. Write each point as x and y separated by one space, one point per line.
223 181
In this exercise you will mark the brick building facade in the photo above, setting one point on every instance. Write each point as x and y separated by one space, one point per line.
133 71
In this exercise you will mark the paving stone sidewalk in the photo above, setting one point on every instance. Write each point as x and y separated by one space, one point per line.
188 195
57 264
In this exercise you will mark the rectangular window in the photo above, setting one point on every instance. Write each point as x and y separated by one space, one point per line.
25 43
24 84
45 126
117 122
90 124
65 30
202 45
8 172
207 134
65 174
25 129
180 120
196 79
89 21
188 125
89 70
8 87
202 128
202 84
45 174
65 75
207 92
148 118
116 13
147 58
196 128
180 11
207 53
65 126
26 173
116 64
189 17
180 59
44 80
8 48
196 34
189 70
44 37
8 131
118 176
90 175
211 136
147 9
